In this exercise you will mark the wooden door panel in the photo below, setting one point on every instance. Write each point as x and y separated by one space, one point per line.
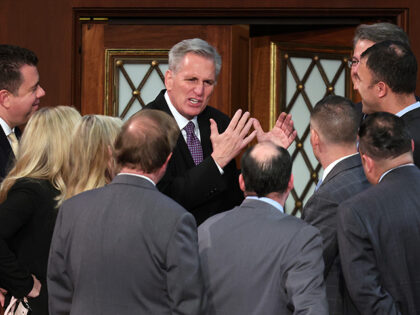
98 37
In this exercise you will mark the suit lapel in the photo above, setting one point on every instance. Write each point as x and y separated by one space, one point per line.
204 125
181 149
4 143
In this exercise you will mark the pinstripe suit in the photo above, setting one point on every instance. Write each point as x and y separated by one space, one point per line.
379 236
344 181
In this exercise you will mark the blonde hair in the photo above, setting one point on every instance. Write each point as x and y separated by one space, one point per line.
90 155
44 149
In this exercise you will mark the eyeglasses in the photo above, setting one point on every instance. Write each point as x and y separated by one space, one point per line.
352 62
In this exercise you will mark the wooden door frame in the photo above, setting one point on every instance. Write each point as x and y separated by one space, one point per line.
173 16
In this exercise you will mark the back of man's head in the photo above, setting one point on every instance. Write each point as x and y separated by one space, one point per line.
12 58
266 168
384 136
394 64
336 119
379 32
195 46
146 140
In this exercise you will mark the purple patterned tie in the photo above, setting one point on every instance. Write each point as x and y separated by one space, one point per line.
194 144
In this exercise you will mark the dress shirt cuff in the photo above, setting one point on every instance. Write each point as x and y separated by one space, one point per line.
220 169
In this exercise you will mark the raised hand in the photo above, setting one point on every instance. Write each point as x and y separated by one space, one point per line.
227 145
282 133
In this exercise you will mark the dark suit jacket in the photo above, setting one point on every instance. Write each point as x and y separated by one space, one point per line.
412 121
27 220
345 180
200 189
6 153
125 249
379 236
257 260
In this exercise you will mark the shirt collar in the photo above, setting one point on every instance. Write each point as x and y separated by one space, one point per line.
329 168
275 204
138 175
180 120
384 174
6 128
408 109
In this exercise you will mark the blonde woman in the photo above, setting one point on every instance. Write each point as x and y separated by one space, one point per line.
30 195
91 153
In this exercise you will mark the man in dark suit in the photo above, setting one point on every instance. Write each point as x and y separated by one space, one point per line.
367 35
127 248
19 98
255 258
387 75
334 125
207 183
378 229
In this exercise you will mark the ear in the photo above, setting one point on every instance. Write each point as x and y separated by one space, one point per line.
4 98
169 79
242 183
314 137
412 145
290 183
381 89
368 163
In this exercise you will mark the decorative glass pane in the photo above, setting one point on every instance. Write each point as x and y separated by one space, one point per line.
330 67
315 87
309 74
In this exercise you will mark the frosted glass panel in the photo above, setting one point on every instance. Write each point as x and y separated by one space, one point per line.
301 65
301 115
330 67
153 86
135 107
315 87
339 88
137 73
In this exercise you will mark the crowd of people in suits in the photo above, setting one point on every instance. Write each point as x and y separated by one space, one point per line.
153 217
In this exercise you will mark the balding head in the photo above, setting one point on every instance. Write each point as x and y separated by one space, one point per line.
266 168
146 140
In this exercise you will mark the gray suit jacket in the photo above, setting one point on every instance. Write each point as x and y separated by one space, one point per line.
345 180
257 260
379 236
124 249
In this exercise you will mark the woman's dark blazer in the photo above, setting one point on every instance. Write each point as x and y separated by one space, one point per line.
27 219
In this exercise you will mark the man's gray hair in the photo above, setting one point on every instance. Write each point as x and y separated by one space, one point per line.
379 32
196 46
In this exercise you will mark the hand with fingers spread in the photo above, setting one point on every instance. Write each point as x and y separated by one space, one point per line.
227 145
282 133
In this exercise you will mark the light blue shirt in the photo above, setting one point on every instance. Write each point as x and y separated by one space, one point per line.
275 204
408 109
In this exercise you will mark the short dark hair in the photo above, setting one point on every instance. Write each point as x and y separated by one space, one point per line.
146 140
337 119
12 58
383 136
268 174
393 63
379 32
